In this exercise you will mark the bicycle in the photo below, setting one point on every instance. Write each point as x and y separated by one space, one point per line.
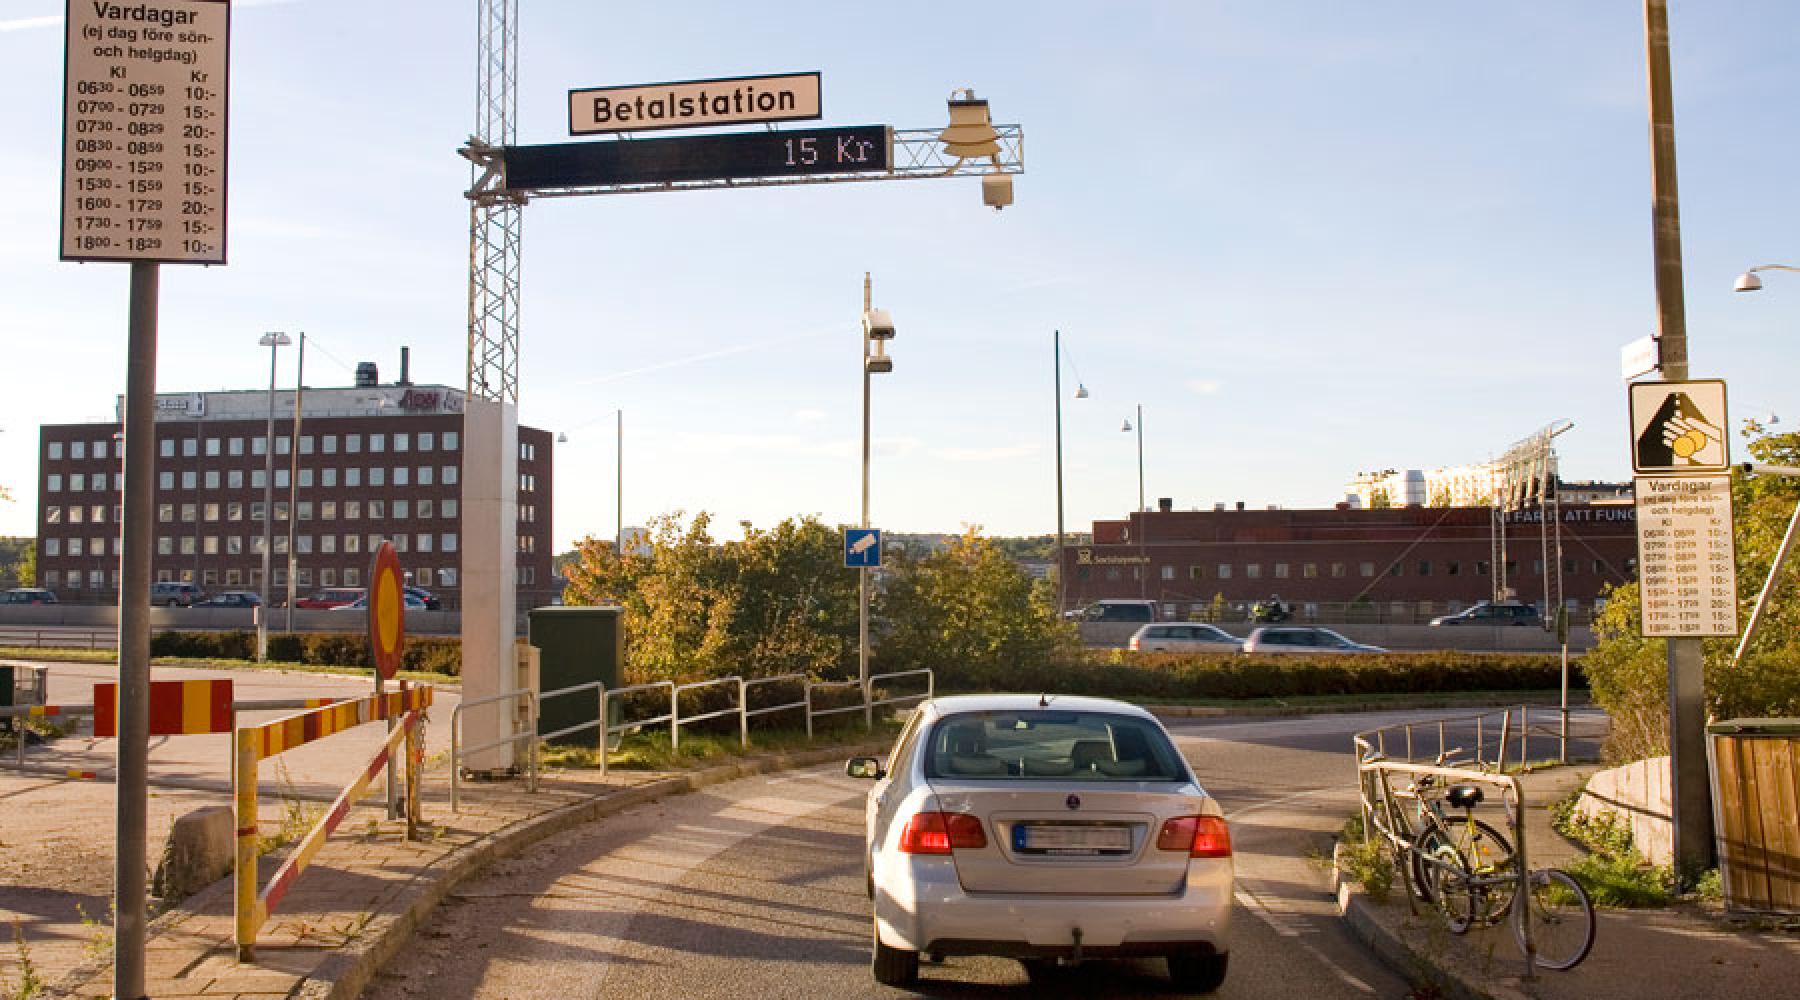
1560 914
1429 827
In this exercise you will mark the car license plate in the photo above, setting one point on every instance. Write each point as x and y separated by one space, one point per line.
1048 838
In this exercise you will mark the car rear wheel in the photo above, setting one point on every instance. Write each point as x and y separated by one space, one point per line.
894 966
1198 973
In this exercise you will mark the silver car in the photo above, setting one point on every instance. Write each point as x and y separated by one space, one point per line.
1303 639
1047 829
1185 639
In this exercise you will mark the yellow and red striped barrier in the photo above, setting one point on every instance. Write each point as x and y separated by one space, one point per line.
177 708
257 743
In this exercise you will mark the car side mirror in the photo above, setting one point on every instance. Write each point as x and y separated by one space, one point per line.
865 767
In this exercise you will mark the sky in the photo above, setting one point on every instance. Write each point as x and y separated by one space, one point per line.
1307 238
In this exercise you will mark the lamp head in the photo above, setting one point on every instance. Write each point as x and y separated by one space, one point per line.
971 131
1747 282
562 438
1080 391
1127 428
274 339
878 325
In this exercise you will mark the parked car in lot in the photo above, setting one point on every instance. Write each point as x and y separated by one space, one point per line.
176 594
1489 613
1043 828
27 595
431 600
330 597
1119 610
1302 639
413 603
1185 639
231 599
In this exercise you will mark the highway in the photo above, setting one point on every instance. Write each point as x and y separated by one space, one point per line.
754 889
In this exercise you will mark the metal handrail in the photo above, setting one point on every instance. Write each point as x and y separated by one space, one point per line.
777 679
675 705
930 686
1376 739
812 713
457 749
607 696
598 686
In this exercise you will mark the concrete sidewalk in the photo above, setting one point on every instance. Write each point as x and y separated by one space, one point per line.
365 892
1677 953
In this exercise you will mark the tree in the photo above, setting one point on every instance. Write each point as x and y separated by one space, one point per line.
1628 674
1379 499
968 612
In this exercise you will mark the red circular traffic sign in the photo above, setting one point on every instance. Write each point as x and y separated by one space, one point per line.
387 611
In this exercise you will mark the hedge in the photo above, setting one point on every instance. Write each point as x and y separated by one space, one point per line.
326 649
1123 674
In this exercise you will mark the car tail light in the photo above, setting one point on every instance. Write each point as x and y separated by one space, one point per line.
1200 836
1134 642
941 833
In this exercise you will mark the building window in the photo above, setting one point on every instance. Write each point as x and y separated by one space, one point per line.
328 577
234 511
352 477
1481 567
210 512
377 443
352 577
235 446
449 476
189 447
377 510
328 478
259 446
306 444
281 510
210 545
423 542
377 476
212 479
234 545
1512 568
1281 571
188 546
303 544
1424 567
53 483
1368 569
1224 571
305 510
1600 566
189 513
234 479
53 515
1337 570
424 440
402 509
74 580
53 546
304 575
424 475
77 483
190 480
352 545
399 541
402 442
401 475
425 509
1397 568
55 450
281 479
1168 572
328 444
283 445
328 510
449 508
328 544
353 443
257 511
352 510
234 578
447 542
166 447
212 447
1309 570
450 440
77 514
306 479
1253 571
281 547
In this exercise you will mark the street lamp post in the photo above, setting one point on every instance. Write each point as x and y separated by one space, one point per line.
878 329
1143 550
273 341
293 557
619 478
1749 282
1062 586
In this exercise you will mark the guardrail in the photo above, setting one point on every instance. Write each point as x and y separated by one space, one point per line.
253 744
677 721
59 637
1502 724
457 750
606 698
599 688
799 679
813 713
930 687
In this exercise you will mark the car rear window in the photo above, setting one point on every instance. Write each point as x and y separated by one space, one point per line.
1050 745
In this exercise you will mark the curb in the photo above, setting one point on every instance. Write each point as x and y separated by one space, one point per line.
353 966
1400 954
347 973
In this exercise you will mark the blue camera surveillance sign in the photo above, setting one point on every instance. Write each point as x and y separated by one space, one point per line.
862 548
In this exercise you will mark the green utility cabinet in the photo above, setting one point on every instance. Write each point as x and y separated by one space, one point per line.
576 645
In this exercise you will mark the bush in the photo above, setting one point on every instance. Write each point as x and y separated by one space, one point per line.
1122 674
324 649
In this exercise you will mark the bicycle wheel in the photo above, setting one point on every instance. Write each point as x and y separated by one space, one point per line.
1562 919
1490 856
1445 876
1424 846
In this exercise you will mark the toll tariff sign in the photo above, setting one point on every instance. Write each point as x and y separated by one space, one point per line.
144 113
850 149
1687 566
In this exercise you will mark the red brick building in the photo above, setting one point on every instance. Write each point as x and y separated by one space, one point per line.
1409 562
370 463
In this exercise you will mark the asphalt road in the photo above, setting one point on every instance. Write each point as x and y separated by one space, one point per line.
754 889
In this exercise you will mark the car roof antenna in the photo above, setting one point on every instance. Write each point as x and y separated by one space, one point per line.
1044 700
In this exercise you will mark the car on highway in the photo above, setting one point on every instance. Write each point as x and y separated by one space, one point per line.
1185 639
28 595
1115 610
176 593
1489 613
1047 829
413 603
1302 639
330 597
432 601
231 599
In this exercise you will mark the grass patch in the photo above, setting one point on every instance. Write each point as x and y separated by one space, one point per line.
1365 860
1613 872
651 750
29 983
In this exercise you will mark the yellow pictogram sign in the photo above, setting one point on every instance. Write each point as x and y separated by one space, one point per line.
387 611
